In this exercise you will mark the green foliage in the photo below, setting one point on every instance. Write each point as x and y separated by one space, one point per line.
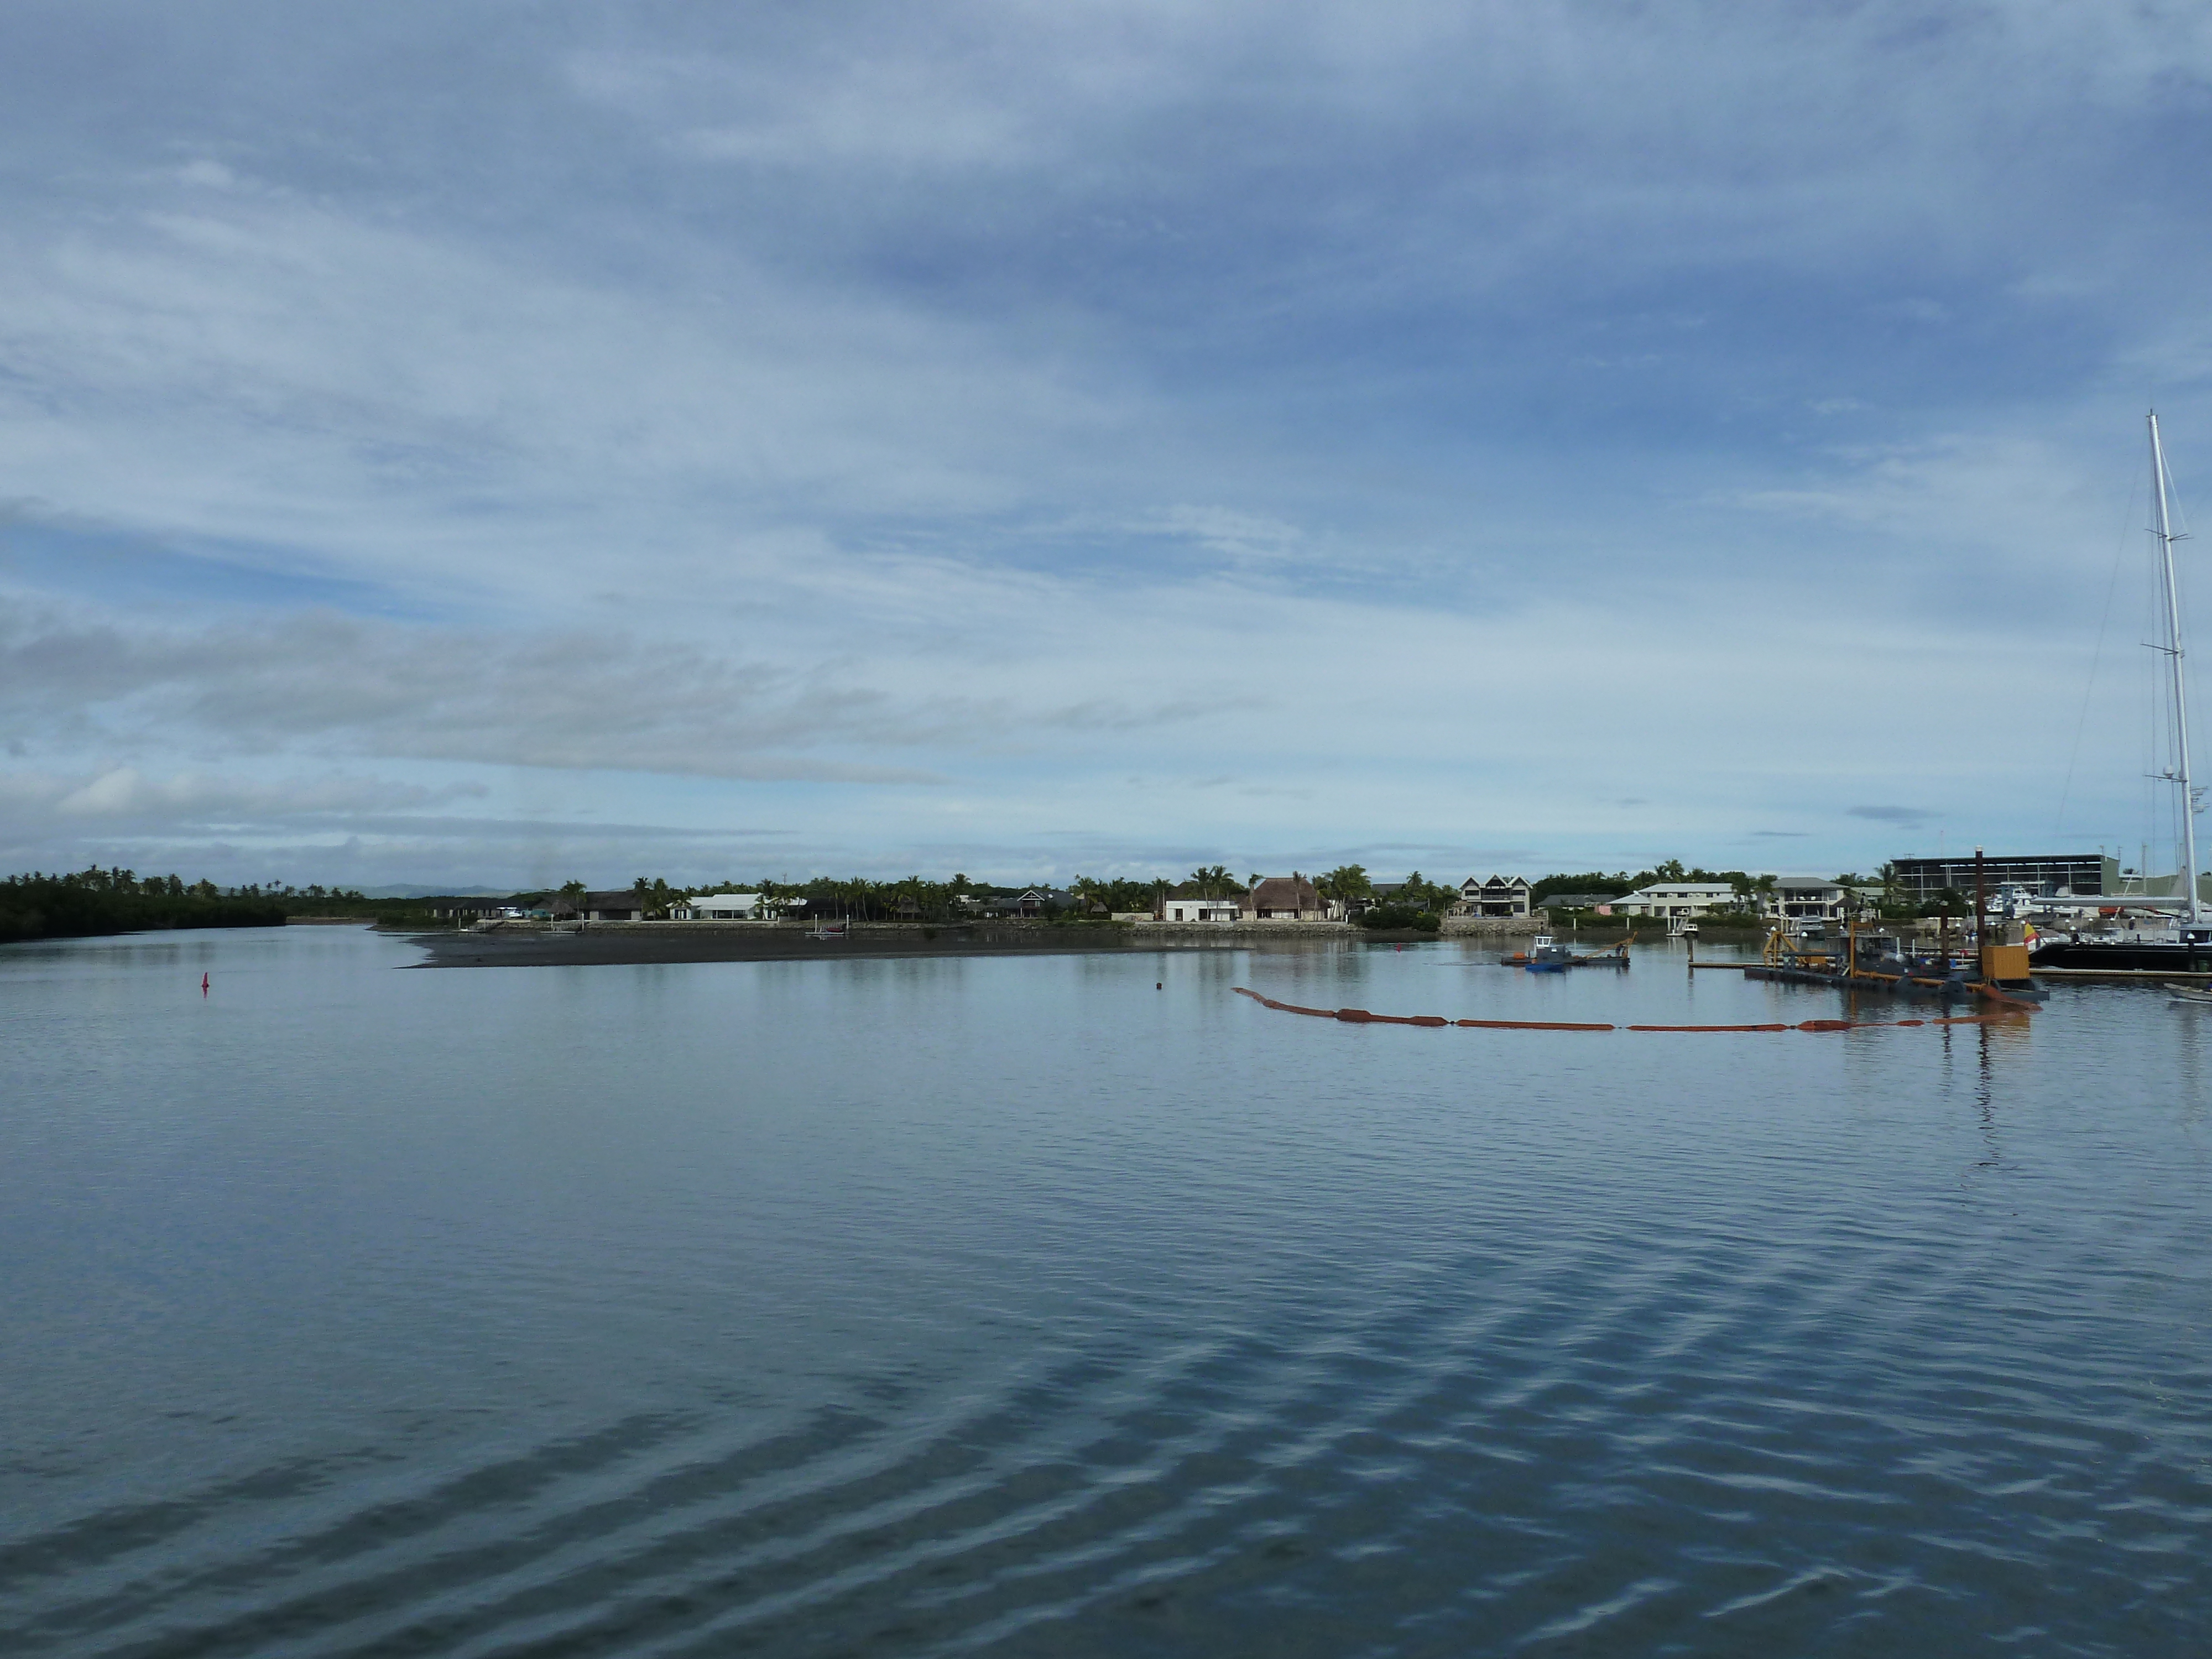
1119 896
1671 872
857 897
1595 881
1948 903
1401 916
1347 881
1417 892
96 901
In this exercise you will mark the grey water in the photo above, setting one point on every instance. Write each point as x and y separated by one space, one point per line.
1016 1306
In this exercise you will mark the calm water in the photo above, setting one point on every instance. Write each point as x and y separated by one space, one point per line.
1015 1306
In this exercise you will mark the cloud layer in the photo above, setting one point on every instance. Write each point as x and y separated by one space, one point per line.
1115 434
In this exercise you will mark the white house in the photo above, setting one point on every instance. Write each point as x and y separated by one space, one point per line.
719 907
1671 899
1806 898
1173 908
1793 898
1493 895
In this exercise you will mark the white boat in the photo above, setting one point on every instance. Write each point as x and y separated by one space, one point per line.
2183 940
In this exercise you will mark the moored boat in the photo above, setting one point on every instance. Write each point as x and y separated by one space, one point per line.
2179 941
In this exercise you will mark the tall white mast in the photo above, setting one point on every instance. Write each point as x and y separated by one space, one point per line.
2165 540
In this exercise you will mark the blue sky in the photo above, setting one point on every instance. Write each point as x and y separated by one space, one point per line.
498 442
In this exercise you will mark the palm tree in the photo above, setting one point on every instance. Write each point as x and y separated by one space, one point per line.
1347 881
1212 881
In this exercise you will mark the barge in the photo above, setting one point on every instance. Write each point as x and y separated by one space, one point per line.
1872 960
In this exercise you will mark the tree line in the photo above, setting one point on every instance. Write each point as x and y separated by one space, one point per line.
98 901
117 900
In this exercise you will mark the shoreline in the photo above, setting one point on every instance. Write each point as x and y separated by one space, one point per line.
631 943
622 945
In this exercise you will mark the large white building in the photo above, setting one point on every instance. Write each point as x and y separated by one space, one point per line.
1808 898
1494 895
1672 900
1200 910
1792 898
719 907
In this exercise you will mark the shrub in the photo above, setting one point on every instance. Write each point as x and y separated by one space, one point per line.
1399 916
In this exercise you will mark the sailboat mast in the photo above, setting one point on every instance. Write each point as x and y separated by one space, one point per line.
2165 534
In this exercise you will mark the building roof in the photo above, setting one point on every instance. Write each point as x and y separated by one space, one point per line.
1967 858
1680 889
1285 893
725 900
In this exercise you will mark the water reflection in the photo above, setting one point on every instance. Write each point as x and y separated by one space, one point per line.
1013 1304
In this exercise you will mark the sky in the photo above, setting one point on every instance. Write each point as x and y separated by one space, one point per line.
494 442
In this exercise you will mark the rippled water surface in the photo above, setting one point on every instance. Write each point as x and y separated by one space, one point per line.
1014 1305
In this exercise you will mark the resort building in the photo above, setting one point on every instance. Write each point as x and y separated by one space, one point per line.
1493 895
1790 898
1674 899
622 905
1029 901
1576 902
1283 898
1184 905
449 908
719 907
1808 898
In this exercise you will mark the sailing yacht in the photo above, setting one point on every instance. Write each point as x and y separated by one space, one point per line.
2181 943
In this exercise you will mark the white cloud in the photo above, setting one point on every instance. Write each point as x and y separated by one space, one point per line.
206 172
956 410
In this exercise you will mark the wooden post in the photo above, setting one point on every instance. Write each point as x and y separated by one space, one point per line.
1981 917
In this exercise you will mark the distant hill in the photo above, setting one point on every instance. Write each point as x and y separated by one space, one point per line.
436 892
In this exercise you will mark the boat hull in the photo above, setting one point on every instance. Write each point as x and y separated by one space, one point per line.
2123 955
